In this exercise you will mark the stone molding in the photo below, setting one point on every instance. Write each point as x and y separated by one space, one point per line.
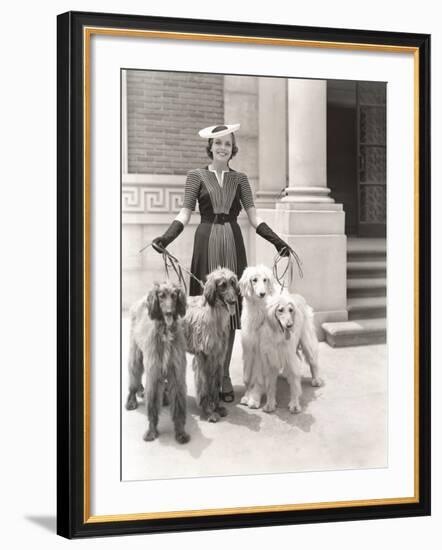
150 199
151 193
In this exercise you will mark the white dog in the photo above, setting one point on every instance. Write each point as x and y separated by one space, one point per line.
262 334
256 285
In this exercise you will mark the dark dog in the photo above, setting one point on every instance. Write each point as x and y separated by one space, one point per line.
157 346
207 328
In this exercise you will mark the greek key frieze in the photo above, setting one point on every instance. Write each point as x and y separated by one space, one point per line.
151 199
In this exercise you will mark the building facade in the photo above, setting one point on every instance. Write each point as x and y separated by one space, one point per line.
314 152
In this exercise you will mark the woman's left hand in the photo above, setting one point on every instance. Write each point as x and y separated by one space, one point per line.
266 233
282 248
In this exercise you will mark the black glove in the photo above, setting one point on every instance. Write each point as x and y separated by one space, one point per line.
170 235
266 233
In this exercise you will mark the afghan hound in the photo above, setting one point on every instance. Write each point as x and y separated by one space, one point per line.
288 319
158 347
258 285
207 329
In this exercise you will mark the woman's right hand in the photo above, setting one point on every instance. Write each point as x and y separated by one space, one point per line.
170 235
160 242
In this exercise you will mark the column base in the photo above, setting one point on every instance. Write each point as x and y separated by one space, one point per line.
267 199
307 194
316 233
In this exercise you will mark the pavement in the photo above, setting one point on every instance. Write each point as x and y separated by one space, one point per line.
343 424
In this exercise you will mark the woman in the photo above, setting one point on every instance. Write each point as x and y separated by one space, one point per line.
221 194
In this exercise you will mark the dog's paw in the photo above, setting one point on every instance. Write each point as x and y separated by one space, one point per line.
131 403
151 434
140 392
317 382
222 411
254 404
244 400
182 437
294 408
269 407
213 417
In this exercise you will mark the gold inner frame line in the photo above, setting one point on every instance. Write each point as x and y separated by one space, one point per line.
267 41
87 33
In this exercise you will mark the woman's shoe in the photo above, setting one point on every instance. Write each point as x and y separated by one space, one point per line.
227 394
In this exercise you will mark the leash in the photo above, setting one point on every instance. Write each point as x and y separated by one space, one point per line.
172 263
289 269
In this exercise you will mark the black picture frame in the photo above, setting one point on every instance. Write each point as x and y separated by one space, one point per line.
74 519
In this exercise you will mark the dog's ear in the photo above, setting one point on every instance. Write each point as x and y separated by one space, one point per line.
235 285
271 314
244 283
272 284
153 303
181 302
210 290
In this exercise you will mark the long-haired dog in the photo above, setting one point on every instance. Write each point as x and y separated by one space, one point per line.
258 285
158 347
289 319
207 328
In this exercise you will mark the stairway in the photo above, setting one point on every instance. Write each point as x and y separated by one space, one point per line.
366 296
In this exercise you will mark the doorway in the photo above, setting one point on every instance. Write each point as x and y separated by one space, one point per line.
356 154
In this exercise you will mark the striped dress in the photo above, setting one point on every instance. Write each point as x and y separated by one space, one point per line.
218 238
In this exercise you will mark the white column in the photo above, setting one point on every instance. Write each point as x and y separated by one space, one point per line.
272 113
307 122
307 217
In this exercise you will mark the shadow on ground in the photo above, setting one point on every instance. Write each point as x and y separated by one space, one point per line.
199 442
303 420
242 416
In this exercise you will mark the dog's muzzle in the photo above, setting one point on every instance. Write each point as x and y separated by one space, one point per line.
285 329
168 317
231 306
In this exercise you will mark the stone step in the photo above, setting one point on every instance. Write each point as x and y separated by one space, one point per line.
366 246
367 308
366 269
360 287
365 256
356 333
366 249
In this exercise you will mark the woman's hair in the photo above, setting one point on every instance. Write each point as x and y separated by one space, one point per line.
209 144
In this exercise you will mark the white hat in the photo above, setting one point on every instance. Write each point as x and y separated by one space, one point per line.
208 133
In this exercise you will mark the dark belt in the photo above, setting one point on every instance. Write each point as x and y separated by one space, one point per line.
218 218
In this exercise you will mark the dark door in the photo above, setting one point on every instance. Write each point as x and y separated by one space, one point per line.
342 149
372 169
356 154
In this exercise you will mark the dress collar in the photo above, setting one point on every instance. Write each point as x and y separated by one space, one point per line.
216 174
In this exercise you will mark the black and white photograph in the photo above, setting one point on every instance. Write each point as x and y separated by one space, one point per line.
253 275
222 255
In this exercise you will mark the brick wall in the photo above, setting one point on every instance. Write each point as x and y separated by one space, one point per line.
165 110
